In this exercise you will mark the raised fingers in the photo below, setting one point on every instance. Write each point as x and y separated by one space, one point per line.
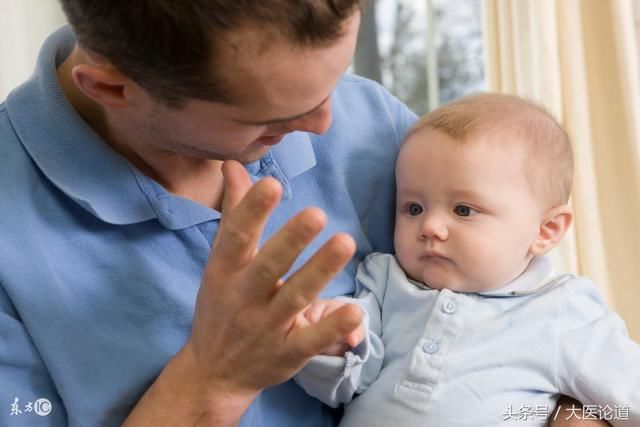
306 283
244 216
278 254
236 184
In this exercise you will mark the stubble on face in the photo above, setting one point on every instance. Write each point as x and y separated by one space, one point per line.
170 137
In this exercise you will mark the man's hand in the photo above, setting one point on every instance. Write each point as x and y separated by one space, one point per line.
320 309
246 332
245 335
569 413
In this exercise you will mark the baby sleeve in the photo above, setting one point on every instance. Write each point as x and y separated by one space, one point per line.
335 380
596 361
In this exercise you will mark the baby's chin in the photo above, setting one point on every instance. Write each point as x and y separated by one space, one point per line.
434 281
452 286
450 283
441 274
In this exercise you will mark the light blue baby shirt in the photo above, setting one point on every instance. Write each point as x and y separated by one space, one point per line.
100 265
439 358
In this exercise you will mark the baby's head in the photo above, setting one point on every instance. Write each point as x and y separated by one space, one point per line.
483 186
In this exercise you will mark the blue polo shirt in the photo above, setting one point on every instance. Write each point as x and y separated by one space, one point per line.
100 265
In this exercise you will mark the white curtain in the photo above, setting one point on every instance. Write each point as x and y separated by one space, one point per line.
24 24
580 59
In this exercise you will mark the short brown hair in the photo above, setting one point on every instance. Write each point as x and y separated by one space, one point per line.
549 157
169 47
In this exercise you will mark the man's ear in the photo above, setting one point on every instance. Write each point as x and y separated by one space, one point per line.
104 84
554 225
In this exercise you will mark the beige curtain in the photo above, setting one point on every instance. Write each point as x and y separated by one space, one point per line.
580 59
24 24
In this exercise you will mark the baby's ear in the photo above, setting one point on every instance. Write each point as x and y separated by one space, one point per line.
554 225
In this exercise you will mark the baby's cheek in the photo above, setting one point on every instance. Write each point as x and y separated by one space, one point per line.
479 269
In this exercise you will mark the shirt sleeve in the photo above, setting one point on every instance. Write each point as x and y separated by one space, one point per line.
398 112
597 362
27 393
335 380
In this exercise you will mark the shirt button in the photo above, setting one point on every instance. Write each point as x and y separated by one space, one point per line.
449 307
430 346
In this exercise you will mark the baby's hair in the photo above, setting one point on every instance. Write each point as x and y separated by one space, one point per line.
518 123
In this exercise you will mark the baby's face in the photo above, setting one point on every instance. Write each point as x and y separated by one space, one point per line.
465 215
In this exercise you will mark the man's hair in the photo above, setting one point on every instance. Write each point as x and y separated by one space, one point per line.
170 47
518 123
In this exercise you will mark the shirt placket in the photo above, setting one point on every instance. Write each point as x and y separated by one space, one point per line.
428 357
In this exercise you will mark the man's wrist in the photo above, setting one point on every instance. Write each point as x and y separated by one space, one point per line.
181 395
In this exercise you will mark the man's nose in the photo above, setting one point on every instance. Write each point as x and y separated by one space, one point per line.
317 121
434 227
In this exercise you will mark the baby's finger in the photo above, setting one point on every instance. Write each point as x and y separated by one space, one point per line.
333 329
356 337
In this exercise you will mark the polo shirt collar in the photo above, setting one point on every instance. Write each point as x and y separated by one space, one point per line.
79 163
538 275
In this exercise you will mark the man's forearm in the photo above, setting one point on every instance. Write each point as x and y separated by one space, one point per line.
179 398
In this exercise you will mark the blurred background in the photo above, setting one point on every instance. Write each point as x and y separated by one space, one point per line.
580 58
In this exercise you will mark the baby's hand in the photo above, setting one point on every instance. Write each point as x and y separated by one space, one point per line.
322 308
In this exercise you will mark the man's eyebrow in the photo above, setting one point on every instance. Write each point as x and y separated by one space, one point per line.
288 119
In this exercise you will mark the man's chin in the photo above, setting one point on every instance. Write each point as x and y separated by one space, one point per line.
253 156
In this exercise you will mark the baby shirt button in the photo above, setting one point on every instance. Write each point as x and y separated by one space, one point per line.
449 307
430 346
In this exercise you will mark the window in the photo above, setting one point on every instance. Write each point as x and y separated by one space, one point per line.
423 65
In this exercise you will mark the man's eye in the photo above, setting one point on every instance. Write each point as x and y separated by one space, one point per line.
414 209
463 210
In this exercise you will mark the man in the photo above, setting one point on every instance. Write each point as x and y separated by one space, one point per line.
121 171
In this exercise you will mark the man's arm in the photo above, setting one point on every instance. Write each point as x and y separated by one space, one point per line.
245 335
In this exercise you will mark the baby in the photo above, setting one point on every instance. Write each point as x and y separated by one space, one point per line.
468 324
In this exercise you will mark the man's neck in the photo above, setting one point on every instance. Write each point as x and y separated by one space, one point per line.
197 179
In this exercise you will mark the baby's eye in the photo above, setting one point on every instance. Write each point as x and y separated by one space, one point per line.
414 209
463 210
